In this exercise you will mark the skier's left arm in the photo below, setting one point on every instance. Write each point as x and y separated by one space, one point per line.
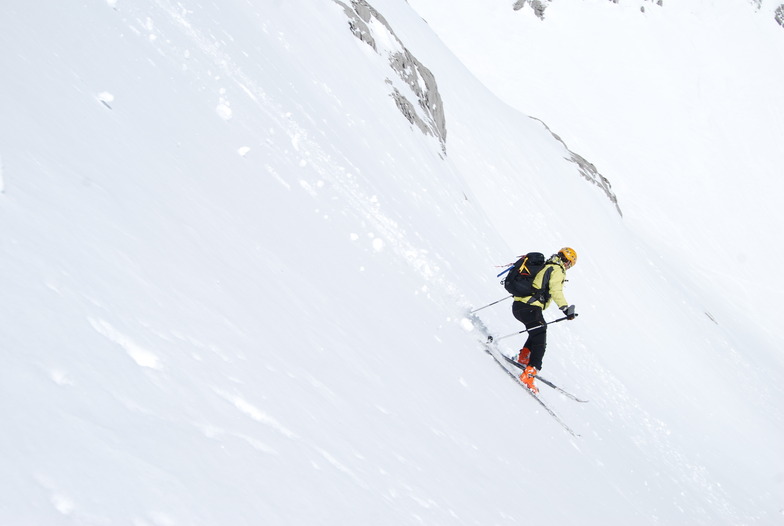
556 287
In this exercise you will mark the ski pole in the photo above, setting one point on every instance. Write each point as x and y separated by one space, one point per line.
490 304
491 339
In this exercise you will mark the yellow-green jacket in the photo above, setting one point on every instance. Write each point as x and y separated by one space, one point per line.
554 292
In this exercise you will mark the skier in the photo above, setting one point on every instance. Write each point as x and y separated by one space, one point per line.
548 284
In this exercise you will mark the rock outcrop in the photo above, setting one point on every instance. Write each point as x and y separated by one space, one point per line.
417 95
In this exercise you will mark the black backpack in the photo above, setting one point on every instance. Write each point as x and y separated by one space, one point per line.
519 281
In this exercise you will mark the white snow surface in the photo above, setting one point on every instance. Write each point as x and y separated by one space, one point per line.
235 279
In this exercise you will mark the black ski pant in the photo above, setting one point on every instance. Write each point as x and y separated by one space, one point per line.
531 316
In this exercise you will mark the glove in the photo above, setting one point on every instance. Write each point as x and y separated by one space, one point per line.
568 310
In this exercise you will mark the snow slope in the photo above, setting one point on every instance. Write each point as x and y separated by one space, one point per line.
235 281
679 106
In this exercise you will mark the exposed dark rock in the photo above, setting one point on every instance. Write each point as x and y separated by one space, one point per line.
539 6
427 111
588 170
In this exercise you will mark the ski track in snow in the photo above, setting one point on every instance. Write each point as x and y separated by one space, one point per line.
141 356
217 433
256 414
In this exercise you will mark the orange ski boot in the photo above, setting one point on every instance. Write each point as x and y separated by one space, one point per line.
528 378
524 356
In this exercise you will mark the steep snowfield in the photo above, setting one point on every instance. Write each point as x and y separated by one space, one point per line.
680 106
235 279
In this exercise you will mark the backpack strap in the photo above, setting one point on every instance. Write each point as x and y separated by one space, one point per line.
543 293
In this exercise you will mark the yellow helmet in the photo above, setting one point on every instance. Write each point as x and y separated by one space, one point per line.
568 256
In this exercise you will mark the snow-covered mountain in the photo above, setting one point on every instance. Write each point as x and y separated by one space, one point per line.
239 241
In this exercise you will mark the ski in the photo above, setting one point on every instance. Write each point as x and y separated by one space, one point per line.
515 377
489 345
546 381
